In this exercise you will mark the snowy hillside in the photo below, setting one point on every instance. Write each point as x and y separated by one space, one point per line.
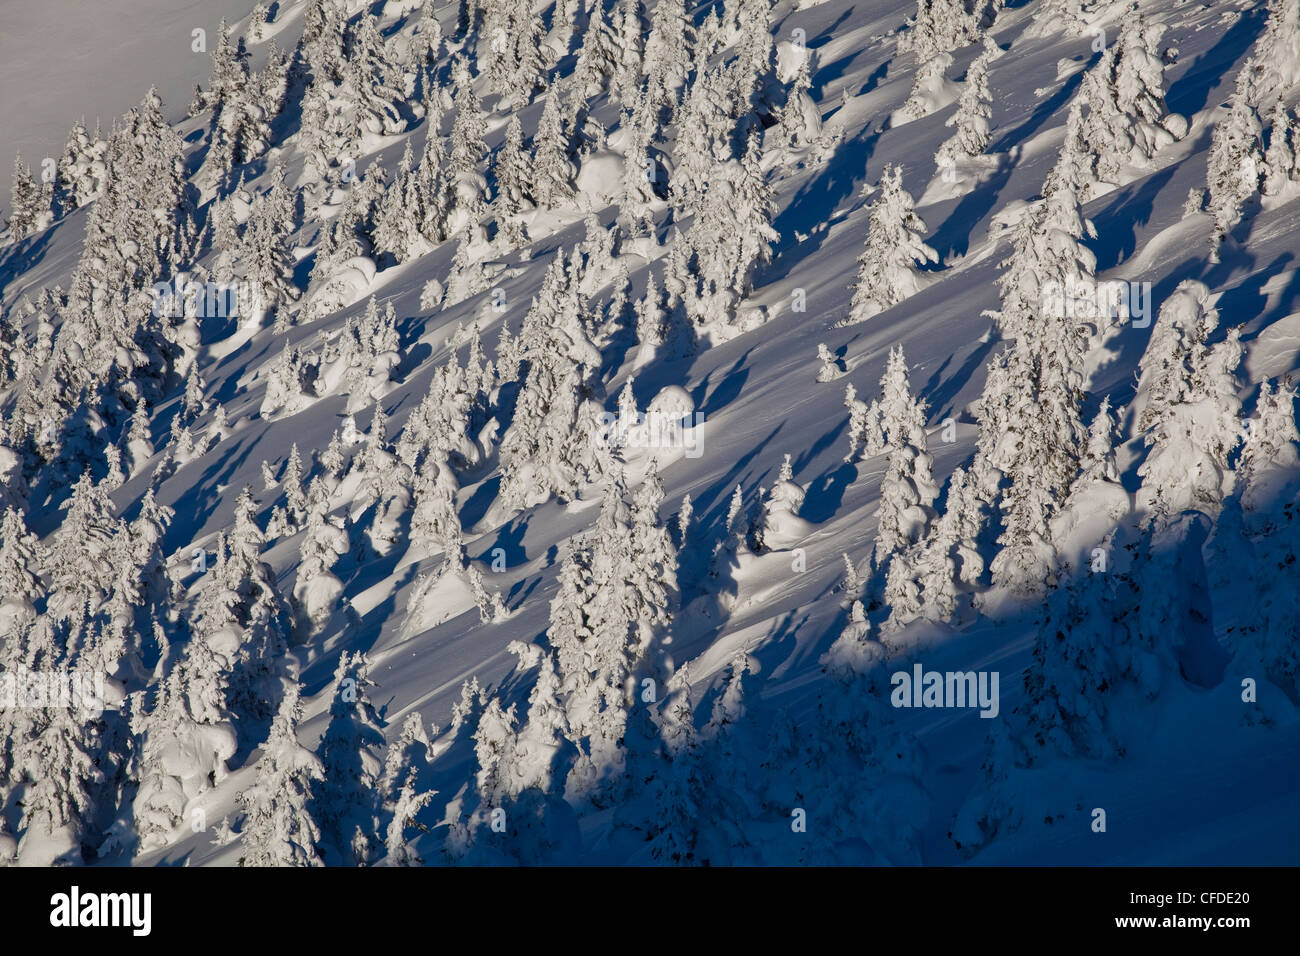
627 432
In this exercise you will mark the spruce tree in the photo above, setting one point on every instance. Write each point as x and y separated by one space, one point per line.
279 829
346 798
886 274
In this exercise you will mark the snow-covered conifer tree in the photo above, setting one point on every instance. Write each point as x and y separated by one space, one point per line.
668 57
316 589
886 267
79 569
267 252
1281 166
29 207
81 168
971 120
467 129
1126 120
552 169
346 797
1191 411
20 569
865 437
598 57
1235 160
908 488
1268 461
514 179
278 828
938 26
369 84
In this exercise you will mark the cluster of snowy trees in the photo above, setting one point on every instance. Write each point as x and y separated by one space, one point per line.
1126 121
1129 616
194 639
937 29
1253 149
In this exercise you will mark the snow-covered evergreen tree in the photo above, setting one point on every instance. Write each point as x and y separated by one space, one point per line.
886 267
346 797
278 826
1235 160
971 120
865 437
1268 461
20 575
552 169
267 253
316 589
1190 413
29 207
79 566
908 488
1126 121
81 168
939 26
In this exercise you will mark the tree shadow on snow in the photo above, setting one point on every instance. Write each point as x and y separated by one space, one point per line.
940 394
826 493
1045 110
510 539
816 202
708 403
1118 224
1245 302
1191 91
953 237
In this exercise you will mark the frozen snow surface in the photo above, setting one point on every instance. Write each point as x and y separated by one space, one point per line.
517 512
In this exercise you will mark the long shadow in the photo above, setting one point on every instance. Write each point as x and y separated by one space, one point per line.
829 33
518 593
801 461
1190 92
826 492
713 518
953 237
1286 300
1046 109
833 71
369 568
1246 302
1118 223
477 506
1233 258
510 540
872 81
816 202
726 391
412 359
367 631
779 644
940 395
24 255
203 494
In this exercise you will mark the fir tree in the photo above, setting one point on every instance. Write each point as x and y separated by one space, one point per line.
886 274
28 206
552 170
279 829
971 120
1235 158
347 800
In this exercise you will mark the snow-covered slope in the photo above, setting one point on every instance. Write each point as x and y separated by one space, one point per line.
744 708
50 50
